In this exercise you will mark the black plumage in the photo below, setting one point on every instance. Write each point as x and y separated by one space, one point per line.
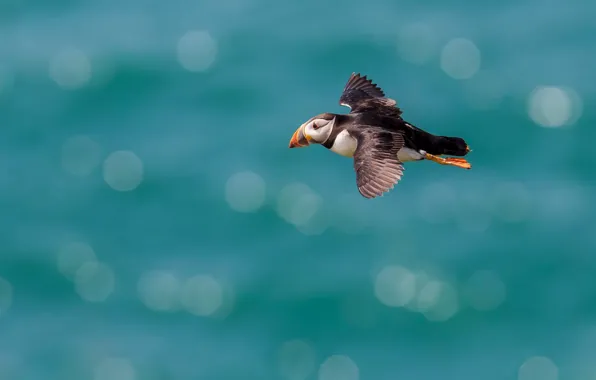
382 135
375 161
370 108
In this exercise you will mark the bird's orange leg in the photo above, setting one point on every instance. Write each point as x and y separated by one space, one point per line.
453 161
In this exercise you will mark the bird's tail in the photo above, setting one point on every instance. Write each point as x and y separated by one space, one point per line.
451 146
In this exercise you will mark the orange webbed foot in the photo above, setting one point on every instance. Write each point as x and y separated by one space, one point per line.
452 161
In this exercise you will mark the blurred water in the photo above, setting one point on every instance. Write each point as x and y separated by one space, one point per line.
156 226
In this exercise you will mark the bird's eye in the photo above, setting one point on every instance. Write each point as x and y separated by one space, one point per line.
319 123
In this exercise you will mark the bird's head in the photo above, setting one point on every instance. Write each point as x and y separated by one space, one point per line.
315 131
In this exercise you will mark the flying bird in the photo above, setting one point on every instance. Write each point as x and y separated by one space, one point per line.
377 137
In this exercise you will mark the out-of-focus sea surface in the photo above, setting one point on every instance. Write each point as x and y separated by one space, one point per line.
154 224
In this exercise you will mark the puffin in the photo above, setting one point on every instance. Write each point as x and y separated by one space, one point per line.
376 136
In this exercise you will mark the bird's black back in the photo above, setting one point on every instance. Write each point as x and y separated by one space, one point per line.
371 109
389 118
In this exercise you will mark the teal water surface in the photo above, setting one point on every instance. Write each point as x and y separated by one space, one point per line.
155 224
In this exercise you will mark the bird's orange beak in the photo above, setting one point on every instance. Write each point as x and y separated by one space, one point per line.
299 140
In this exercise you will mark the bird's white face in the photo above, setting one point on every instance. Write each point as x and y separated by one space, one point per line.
315 131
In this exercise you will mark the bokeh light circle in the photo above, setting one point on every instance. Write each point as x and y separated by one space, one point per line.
460 58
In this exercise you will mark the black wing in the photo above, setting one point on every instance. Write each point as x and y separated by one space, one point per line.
375 160
361 93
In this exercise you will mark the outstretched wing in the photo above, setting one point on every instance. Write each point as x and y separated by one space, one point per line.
375 160
361 93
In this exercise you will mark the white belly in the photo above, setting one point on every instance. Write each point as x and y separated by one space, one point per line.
407 154
344 144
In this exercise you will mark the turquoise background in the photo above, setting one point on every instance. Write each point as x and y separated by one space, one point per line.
99 253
